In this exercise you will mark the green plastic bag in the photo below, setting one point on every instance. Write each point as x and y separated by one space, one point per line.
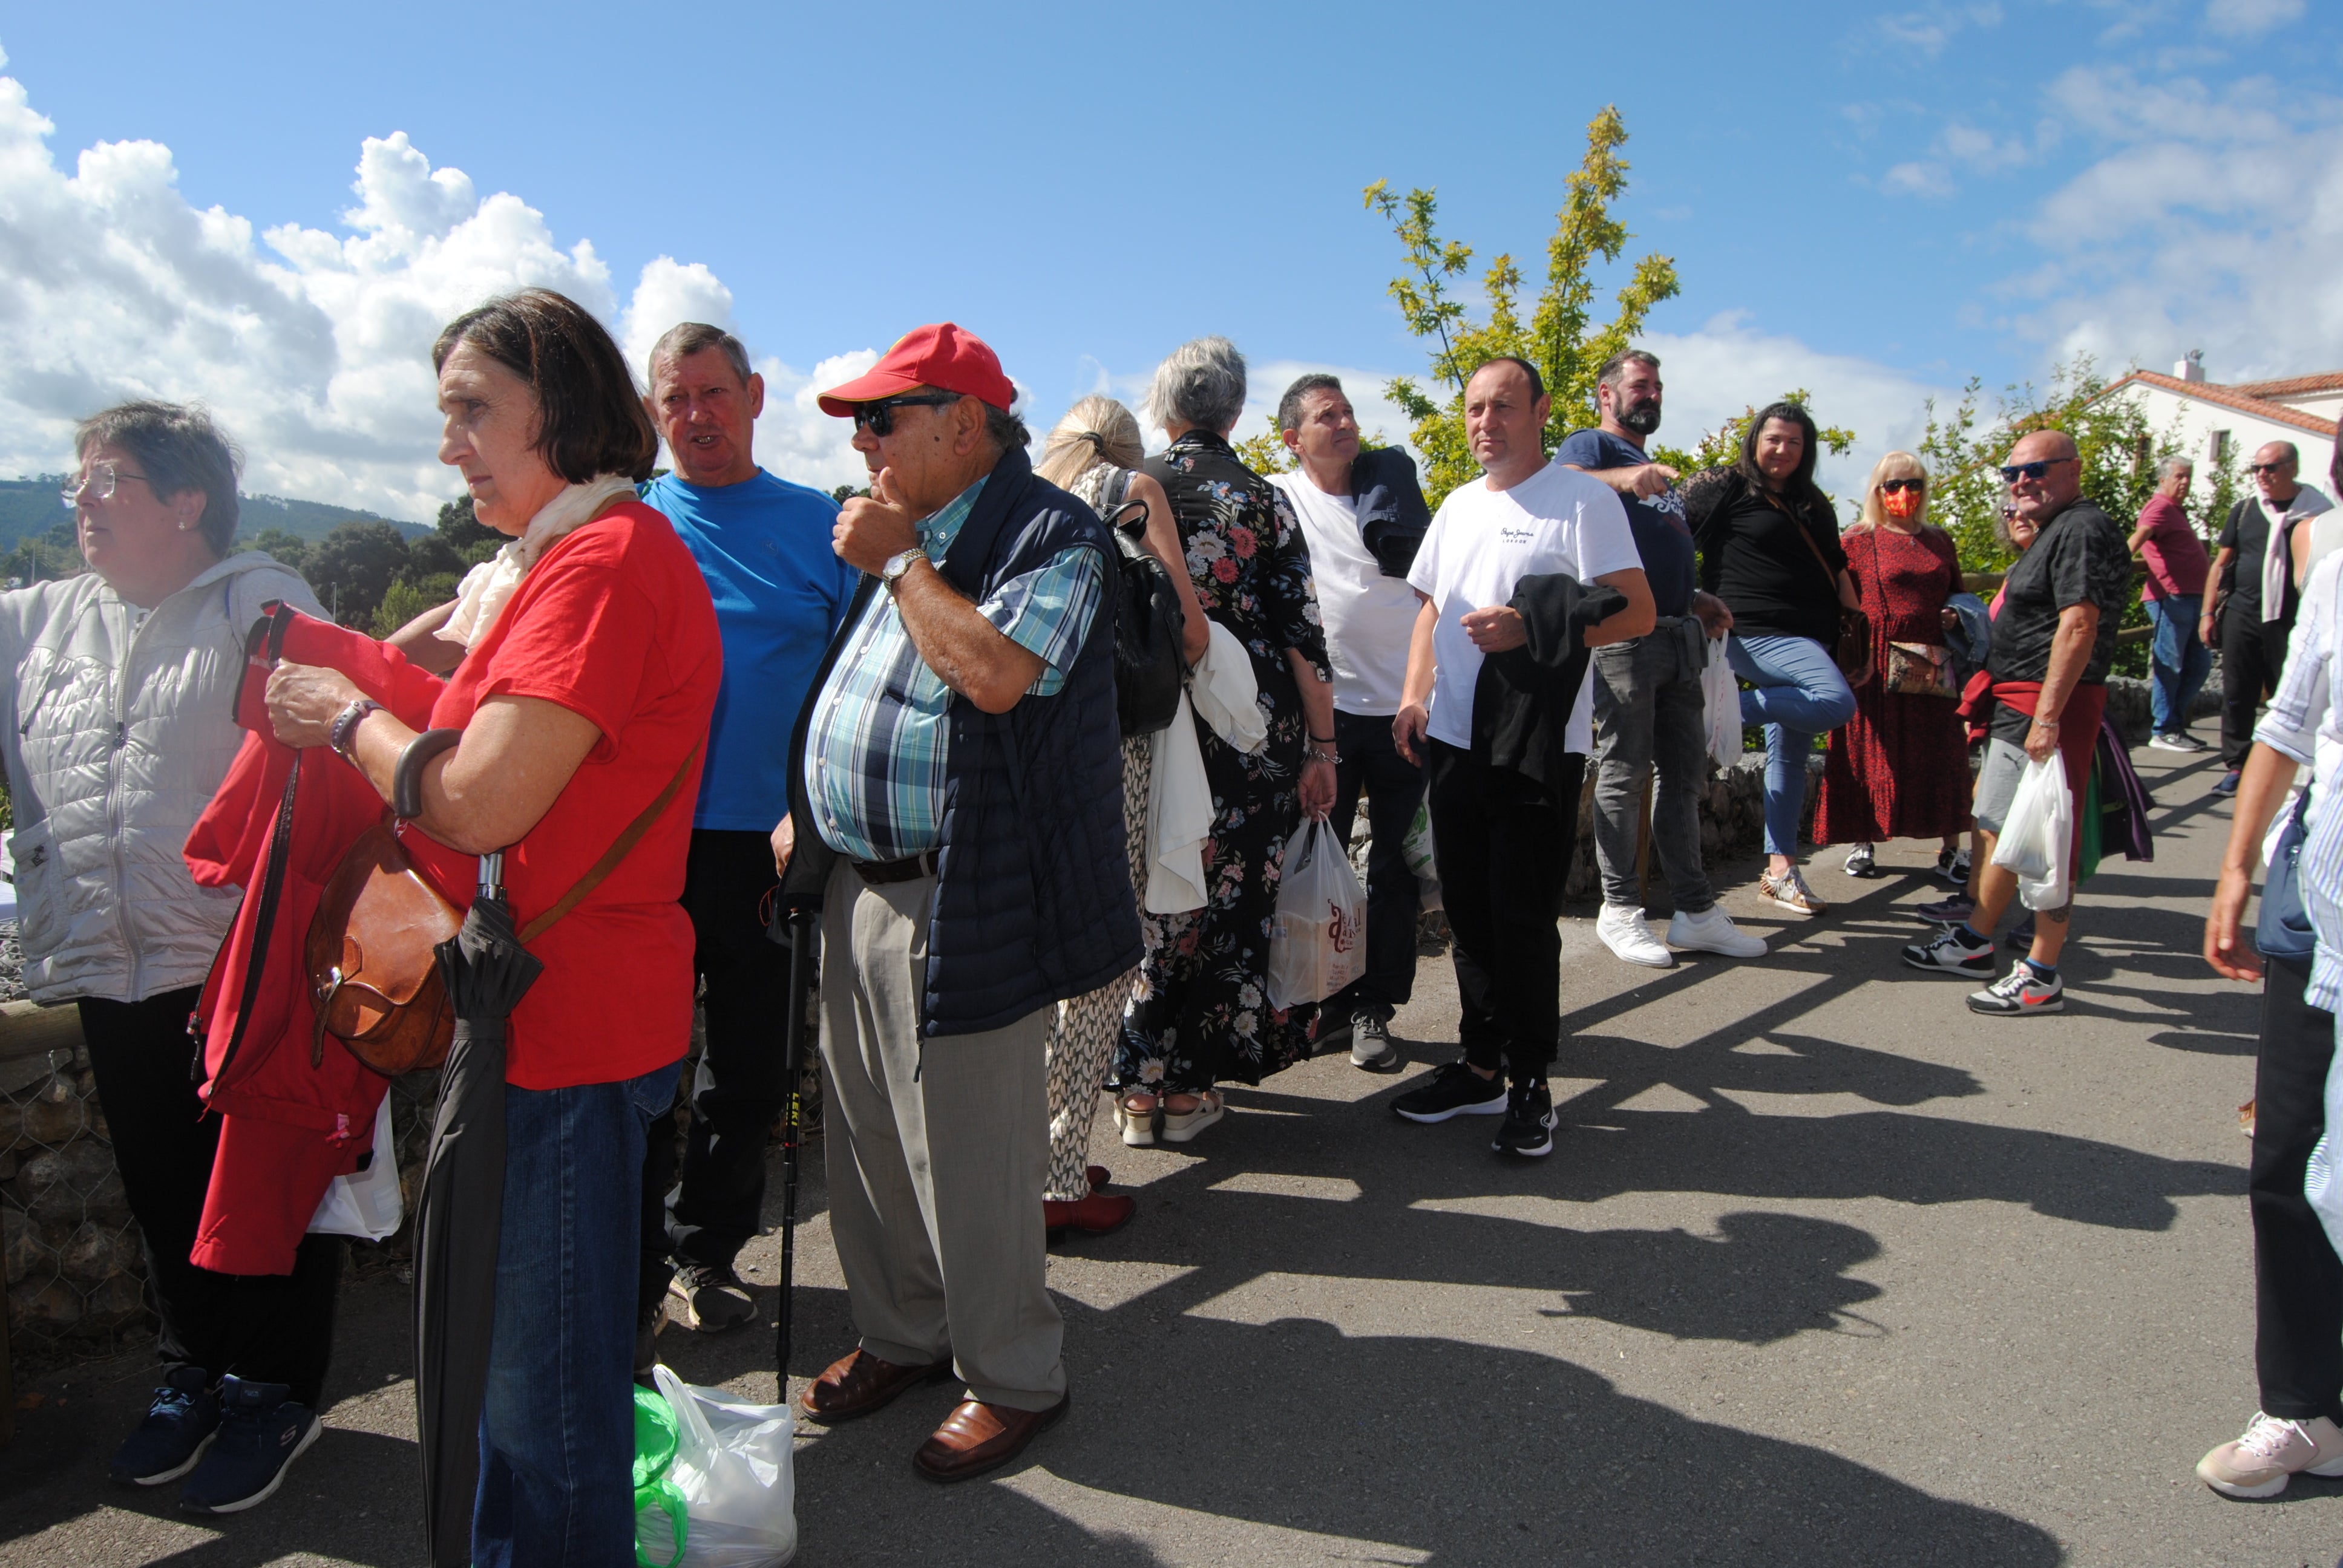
655 1442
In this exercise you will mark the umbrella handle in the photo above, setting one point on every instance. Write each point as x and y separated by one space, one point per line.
492 874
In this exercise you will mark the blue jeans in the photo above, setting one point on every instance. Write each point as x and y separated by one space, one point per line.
1797 693
557 1427
2179 663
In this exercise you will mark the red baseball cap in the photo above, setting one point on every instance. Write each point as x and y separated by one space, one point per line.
942 356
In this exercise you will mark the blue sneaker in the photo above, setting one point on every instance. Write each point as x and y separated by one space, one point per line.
261 1432
172 1438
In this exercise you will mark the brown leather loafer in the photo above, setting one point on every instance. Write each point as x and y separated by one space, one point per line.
979 1437
858 1383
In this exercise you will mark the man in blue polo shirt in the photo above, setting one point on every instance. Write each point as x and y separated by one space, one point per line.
780 592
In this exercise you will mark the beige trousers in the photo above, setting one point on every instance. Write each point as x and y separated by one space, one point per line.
936 1157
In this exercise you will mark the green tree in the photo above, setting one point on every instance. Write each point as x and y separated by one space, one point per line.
1559 337
286 549
352 568
404 600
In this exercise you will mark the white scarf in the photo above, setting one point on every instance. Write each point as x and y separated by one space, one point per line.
480 598
2277 562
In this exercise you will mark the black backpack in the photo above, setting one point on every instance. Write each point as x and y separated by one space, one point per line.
1148 621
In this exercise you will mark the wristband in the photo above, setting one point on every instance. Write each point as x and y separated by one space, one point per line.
345 725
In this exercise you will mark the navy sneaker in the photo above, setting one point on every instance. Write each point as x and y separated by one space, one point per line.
1456 1089
171 1439
262 1431
2021 935
1528 1126
2227 784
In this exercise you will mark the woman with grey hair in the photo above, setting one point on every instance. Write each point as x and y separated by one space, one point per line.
125 682
1202 1014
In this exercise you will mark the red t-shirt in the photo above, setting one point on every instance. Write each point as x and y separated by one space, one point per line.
2174 556
613 623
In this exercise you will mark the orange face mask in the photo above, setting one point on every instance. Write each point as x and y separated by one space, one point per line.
1902 504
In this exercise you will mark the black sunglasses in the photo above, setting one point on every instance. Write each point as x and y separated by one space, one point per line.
2264 467
1893 485
2017 471
879 417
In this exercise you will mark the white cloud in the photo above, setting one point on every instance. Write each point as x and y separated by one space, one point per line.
2251 18
1920 179
312 346
1928 30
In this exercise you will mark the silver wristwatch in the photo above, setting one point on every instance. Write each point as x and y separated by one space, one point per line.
893 571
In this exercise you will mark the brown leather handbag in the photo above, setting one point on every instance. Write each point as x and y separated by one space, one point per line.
1853 654
373 975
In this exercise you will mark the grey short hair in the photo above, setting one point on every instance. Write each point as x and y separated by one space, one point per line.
688 338
179 449
1203 383
2174 465
1614 369
1007 431
1289 407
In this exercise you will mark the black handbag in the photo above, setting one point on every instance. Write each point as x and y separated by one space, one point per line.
2282 929
1148 623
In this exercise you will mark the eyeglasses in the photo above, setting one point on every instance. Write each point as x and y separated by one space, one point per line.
879 417
1893 487
2017 472
2259 469
99 484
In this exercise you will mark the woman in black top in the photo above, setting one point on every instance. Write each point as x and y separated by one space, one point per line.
1769 548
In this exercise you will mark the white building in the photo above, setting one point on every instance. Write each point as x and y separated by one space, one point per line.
2212 420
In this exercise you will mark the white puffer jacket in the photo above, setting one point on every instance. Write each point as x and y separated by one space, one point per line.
120 728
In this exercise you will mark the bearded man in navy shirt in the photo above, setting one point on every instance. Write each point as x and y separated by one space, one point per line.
780 592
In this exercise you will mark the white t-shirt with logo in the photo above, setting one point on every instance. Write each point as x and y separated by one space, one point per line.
1482 543
1368 617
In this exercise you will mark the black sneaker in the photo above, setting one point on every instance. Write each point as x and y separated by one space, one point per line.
648 1324
1950 952
2021 935
710 1299
1953 868
178 1425
1456 1089
262 1431
1371 1050
1528 1127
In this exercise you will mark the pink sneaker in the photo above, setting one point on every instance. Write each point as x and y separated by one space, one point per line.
2270 1453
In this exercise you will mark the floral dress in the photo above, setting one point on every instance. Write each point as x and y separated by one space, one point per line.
1202 1014
1899 769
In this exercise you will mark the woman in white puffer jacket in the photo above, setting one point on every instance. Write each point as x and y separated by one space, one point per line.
122 687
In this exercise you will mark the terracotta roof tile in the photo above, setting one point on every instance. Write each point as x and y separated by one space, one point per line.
2291 386
2230 397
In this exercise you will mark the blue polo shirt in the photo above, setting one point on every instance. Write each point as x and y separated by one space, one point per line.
764 546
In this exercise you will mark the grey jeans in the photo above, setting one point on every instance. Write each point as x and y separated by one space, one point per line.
935 1159
1648 712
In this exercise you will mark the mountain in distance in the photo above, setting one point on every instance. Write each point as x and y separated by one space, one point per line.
32 506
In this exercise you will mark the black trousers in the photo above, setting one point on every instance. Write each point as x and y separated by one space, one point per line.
1503 848
267 1328
738 1089
2297 1279
2253 655
1394 787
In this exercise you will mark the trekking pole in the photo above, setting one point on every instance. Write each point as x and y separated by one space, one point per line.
805 938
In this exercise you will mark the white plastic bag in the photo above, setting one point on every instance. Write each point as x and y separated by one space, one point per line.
2037 835
364 1203
1417 849
1314 935
1720 697
733 1465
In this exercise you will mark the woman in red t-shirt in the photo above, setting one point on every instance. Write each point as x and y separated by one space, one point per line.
589 662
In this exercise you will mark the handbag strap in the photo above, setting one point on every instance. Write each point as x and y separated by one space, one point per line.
1798 521
611 855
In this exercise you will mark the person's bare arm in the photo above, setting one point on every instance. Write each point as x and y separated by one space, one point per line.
2070 650
2140 538
1634 481
425 649
2268 774
1415 687
1163 537
2298 553
1635 619
517 756
1317 784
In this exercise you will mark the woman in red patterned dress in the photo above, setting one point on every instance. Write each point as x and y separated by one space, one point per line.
1899 768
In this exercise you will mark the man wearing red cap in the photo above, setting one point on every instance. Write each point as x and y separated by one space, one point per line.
960 767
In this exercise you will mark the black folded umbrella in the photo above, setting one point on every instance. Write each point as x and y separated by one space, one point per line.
802 932
459 1213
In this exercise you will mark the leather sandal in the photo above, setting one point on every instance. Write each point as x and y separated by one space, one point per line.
1179 1126
1135 1115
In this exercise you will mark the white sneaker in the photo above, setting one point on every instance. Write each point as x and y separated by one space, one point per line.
1622 930
1860 861
1712 932
2177 740
2270 1453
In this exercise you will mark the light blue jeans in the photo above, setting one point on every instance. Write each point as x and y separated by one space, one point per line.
1796 693
557 1427
2178 662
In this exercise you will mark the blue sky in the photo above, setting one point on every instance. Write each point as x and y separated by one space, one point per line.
1877 203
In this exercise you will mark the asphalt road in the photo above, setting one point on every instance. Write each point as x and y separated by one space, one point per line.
1824 1270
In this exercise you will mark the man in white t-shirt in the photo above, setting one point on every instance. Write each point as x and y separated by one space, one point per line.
1504 784
1362 514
